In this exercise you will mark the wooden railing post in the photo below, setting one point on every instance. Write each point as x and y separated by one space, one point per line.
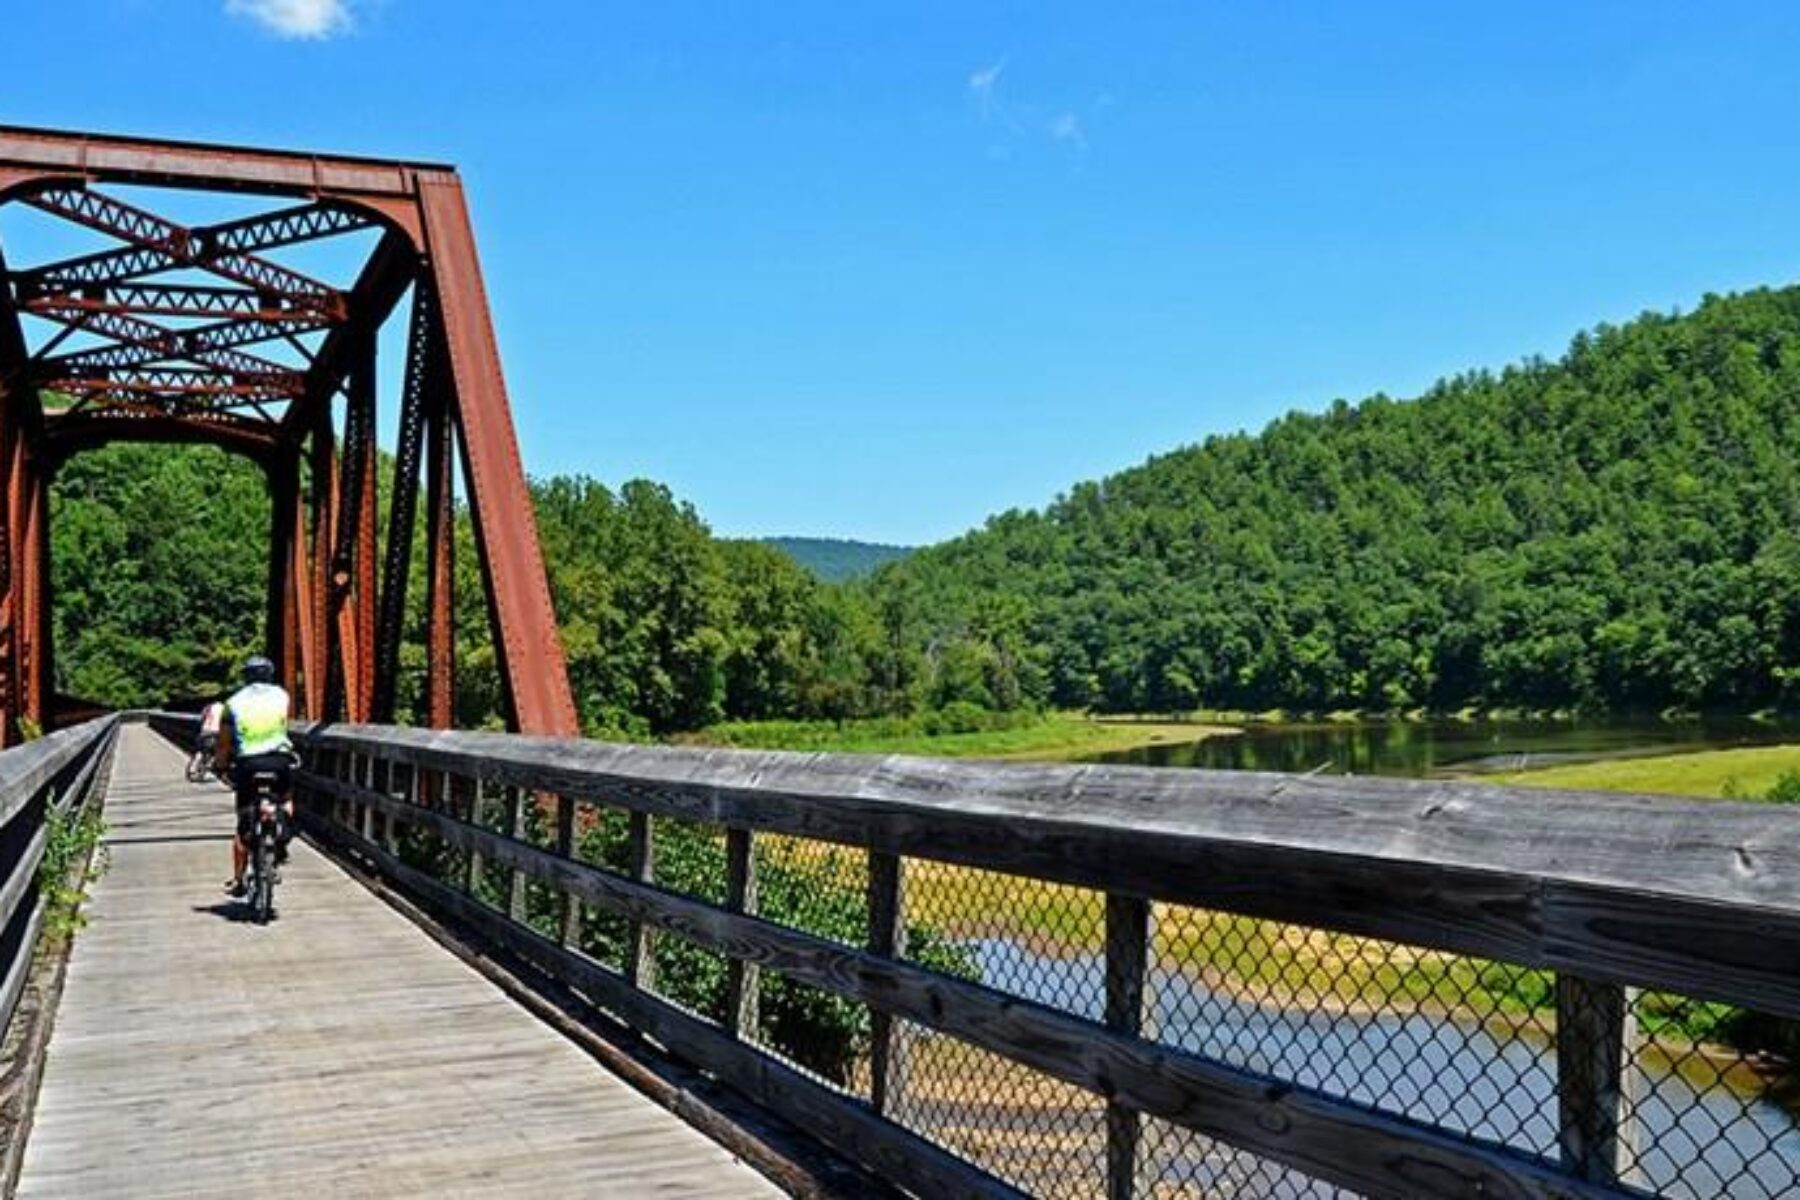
741 1009
409 793
1127 963
1595 1032
367 778
515 829
640 940
472 883
569 908
390 824
887 937
343 766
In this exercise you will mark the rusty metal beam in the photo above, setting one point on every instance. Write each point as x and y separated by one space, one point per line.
363 595
419 399
335 632
105 157
322 471
155 244
526 641
281 625
384 279
440 571
152 299
144 343
68 434
301 599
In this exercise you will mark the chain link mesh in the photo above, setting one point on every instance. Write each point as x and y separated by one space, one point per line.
1045 1137
1700 1118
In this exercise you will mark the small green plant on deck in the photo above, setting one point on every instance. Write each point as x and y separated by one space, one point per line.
70 864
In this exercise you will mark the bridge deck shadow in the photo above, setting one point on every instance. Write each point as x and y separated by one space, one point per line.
338 1051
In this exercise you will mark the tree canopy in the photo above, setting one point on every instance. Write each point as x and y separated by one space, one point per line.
1616 529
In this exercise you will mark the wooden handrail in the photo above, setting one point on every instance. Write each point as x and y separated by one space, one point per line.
1608 892
1699 897
57 772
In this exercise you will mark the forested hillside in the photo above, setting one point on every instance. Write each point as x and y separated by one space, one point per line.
158 571
836 560
1620 528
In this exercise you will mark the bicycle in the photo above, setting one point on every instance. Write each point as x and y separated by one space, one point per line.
200 767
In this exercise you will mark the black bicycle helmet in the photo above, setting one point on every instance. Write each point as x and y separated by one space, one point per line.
259 670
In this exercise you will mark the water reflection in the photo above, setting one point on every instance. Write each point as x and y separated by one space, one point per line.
1447 746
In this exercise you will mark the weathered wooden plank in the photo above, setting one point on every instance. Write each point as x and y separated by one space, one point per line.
1594 1029
430 1083
1741 954
476 815
20 966
1569 881
887 938
18 883
568 908
640 938
741 979
1743 853
1374 1153
27 770
1127 964
840 1122
515 829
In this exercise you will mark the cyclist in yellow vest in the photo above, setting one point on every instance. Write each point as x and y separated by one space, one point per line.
253 738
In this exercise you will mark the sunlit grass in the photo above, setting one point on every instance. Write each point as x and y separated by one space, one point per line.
1750 771
1048 737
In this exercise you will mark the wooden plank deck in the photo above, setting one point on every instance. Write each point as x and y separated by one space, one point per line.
336 1052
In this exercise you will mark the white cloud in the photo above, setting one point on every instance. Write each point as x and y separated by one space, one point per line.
1066 128
981 86
300 19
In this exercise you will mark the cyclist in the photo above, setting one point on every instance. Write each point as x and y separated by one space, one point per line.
210 716
200 762
253 738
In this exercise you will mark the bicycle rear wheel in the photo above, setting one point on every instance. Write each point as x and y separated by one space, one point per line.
262 898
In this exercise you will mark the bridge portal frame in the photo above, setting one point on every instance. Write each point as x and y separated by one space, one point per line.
335 616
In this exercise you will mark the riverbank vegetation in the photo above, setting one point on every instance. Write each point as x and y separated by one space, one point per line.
961 730
1750 773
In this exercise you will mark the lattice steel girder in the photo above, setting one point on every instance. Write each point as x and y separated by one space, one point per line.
194 394
180 300
378 288
176 246
427 239
421 399
70 433
144 343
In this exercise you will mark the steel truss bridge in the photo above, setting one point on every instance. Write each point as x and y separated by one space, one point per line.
528 964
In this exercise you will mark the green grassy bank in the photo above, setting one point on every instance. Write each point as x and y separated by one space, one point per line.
1048 737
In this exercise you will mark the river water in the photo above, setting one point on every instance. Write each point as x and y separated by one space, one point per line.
1698 1142
1695 1144
1444 746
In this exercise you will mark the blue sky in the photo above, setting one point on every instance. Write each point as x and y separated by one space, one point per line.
879 271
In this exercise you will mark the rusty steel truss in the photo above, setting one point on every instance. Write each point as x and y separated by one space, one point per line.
195 333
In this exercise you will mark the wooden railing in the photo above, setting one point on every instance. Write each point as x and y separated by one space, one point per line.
41 782
1225 915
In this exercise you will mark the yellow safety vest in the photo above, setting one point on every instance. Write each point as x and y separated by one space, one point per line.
259 716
